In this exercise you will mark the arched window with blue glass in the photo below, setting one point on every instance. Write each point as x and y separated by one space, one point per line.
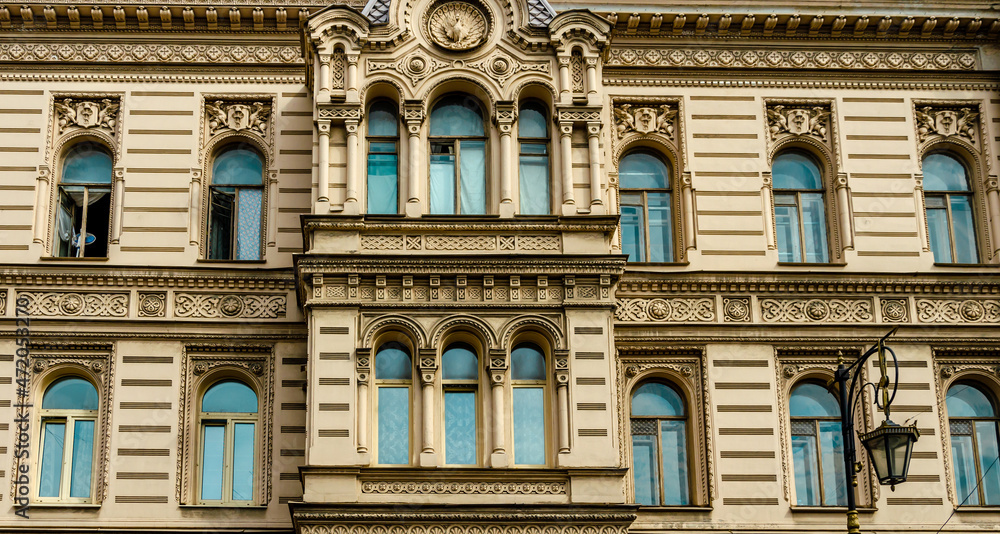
458 157
533 159
817 446
69 414
646 207
236 204
948 197
659 420
393 382
799 208
460 387
975 443
528 406
383 157
83 221
228 435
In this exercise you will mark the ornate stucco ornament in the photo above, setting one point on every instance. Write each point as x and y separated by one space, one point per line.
813 121
74 113
457 25
644 120
252 116
962 122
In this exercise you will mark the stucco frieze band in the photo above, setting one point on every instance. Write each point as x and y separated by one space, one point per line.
763 58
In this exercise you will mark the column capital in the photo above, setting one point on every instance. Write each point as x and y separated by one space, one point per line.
593 128
992 184
841 180
323 126
351 125
565 128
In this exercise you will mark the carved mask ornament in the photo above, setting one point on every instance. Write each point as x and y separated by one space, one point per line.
644 120
72 113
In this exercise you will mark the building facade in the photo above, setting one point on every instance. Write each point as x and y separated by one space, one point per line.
485 266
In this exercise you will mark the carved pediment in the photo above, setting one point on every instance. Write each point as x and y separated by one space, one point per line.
645 117
799 119
955 120
251 116
82 113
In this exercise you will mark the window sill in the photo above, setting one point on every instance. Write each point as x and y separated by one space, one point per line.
968 265
240 262
68 258
657 264
829 510
810 264
226 506
675 508
978 509
67 505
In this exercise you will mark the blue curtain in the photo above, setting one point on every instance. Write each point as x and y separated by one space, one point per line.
243 460
394 425
248 223
212 461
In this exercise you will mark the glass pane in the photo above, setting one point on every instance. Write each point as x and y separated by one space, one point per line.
70 393
813 400
656 399
796 170
534 184
675 476
392 362
53 441
87 163
806 462
393 425
786 221
212 458
382 119
238 166
220 229
229 396
83 459
944 173
986 436
831 440
529 426
457 115
248 223
965 232
814 225
966 400
645 470
642 170
534 148
473 172
527 362
442 179
243 444
964 459
459 362
940 238
531 121
633 228
460 427
661 245
382 182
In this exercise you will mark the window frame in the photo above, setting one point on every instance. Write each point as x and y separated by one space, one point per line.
819 448
369 139
992 398
58 194
235 142
972 194
228 421
825 197
412 391
46 416
545 142
462 385
547 402
456 142
676 252
659 439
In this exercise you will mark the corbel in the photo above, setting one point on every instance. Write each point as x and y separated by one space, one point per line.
74 17
212 17
498 366
97 15
142 15
428 365
234 18
363 367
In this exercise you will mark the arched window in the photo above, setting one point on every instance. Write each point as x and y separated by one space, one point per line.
68 419
458 157
533 139
236 205
83 222
817 447
972 419
948 198
647 231
527 373
393 377
659 446
228 422
799 209
383 157
460 381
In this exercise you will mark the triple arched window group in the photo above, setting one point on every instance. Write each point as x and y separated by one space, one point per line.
462 405
228 441
458 158
662 441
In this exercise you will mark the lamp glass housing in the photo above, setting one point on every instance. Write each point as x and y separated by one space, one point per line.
890 447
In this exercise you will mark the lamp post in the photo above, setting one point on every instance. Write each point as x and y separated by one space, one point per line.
889 446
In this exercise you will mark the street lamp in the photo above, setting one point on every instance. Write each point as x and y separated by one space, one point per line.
889 446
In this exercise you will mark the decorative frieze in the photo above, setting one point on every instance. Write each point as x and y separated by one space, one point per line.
83 113
464 488
666 310
94 52
213 305
461 242
790 59
461 528
75 304
958 310
816 310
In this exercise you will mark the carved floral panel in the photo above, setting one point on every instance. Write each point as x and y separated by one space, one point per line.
958 310
826 310
698 309
75 304
211 305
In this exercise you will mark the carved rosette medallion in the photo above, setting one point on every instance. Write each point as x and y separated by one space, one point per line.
957 121
75 113
152 304
457 25
736 309
895 310
221 116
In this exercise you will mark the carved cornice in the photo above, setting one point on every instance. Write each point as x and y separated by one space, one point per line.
60 276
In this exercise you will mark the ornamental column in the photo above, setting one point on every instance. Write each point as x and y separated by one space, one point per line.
592 80
323 127
194 208
272 207
767 201
498 370
687 197
352 77
41 203
413 114
566 155
351 206
505 116
324 78
921 210
993 203
562 397
428 370
596 190
564 84
116 209
844 212
363 372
